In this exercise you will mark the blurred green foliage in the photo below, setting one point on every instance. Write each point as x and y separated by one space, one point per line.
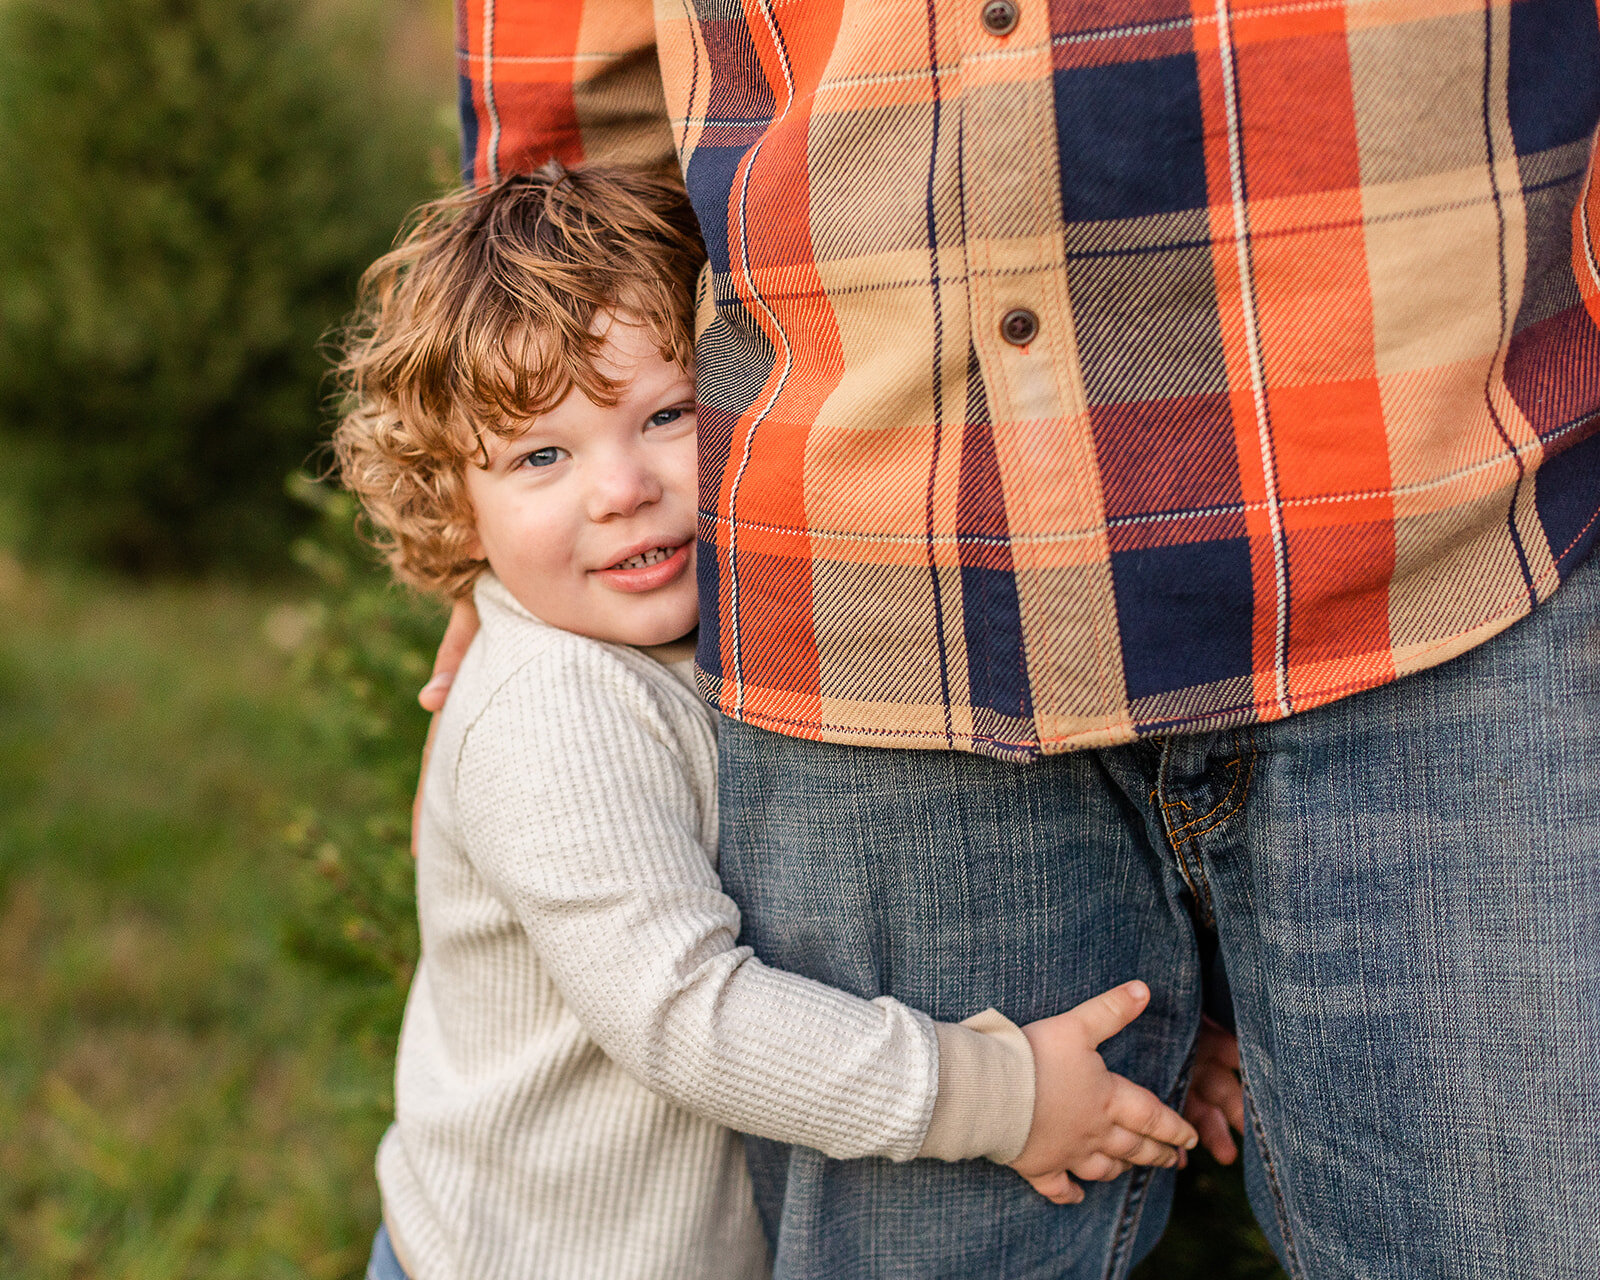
188 192
366 649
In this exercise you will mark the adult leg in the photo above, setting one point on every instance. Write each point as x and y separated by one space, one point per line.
1409 905
954 883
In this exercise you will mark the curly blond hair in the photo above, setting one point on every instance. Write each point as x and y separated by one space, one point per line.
484 316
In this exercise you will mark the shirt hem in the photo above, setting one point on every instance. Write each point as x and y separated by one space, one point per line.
1119 732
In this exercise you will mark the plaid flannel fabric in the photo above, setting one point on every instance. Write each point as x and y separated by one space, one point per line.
1310 400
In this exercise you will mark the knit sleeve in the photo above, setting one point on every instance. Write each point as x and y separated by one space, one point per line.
579 806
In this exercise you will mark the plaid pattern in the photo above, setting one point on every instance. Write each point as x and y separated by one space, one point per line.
1314 398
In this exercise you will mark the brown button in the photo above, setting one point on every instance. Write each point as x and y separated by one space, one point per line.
999 17
1019 327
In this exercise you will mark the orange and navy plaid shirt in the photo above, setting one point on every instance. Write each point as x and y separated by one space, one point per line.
1082 370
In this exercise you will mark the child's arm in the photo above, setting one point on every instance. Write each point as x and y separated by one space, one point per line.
579 791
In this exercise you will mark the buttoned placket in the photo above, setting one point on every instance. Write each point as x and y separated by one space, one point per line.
1022 332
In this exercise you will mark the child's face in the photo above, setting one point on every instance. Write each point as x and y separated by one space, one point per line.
588 516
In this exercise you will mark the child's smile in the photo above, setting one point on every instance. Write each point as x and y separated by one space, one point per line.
646 570
588 516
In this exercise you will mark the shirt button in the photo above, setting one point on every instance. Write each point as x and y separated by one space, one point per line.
1019 327
999 17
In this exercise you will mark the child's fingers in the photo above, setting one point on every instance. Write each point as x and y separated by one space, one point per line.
1141 1111
1135 1148
1221 1091
452 648
1099 1167
1228 1097
1057 1187
1219 1045
1214 1134
1102 1016
1233 1108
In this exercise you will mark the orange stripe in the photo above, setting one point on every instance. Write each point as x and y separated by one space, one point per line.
1316 321
772 191
531 72
1586 239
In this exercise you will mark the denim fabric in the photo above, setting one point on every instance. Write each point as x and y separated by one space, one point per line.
1406 888
384 1265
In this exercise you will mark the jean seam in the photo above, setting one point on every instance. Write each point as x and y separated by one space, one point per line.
1128 1222
1133 1204
1280 1204
1201 898
1238 759
1195 876
1193 871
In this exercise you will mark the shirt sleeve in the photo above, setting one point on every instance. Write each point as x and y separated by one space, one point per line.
569 79
578 803
986 1090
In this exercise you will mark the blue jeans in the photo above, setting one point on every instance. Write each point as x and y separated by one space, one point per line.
1406 887
384 1265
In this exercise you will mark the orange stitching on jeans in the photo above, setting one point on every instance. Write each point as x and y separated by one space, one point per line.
1228 764
1248 774
1195 876
1184 870
1167 806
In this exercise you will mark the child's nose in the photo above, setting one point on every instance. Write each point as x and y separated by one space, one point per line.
622 488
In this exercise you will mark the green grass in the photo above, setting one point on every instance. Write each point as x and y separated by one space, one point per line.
177 1097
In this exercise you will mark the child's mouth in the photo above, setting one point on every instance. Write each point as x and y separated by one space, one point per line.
653 556
649 569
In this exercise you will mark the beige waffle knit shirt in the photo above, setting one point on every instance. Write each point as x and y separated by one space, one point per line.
582 1024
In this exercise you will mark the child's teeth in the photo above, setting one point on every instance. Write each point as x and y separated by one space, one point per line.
653 556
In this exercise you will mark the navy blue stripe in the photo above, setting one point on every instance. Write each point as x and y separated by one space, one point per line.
1500 260
469 127
938 371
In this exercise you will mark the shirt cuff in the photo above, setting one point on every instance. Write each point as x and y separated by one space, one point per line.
985 1102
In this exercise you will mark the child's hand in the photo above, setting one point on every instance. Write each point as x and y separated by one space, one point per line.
452 648
1087 1121
1216 1098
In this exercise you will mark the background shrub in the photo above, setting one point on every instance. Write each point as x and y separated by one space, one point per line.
366 648
188 190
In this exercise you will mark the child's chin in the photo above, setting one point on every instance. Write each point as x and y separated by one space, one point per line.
647 628
665 634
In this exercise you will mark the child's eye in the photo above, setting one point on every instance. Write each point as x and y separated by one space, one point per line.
664 416
545 457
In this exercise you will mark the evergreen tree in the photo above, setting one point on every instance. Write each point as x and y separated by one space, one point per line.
188 191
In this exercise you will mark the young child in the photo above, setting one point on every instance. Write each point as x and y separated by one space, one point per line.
582 1025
